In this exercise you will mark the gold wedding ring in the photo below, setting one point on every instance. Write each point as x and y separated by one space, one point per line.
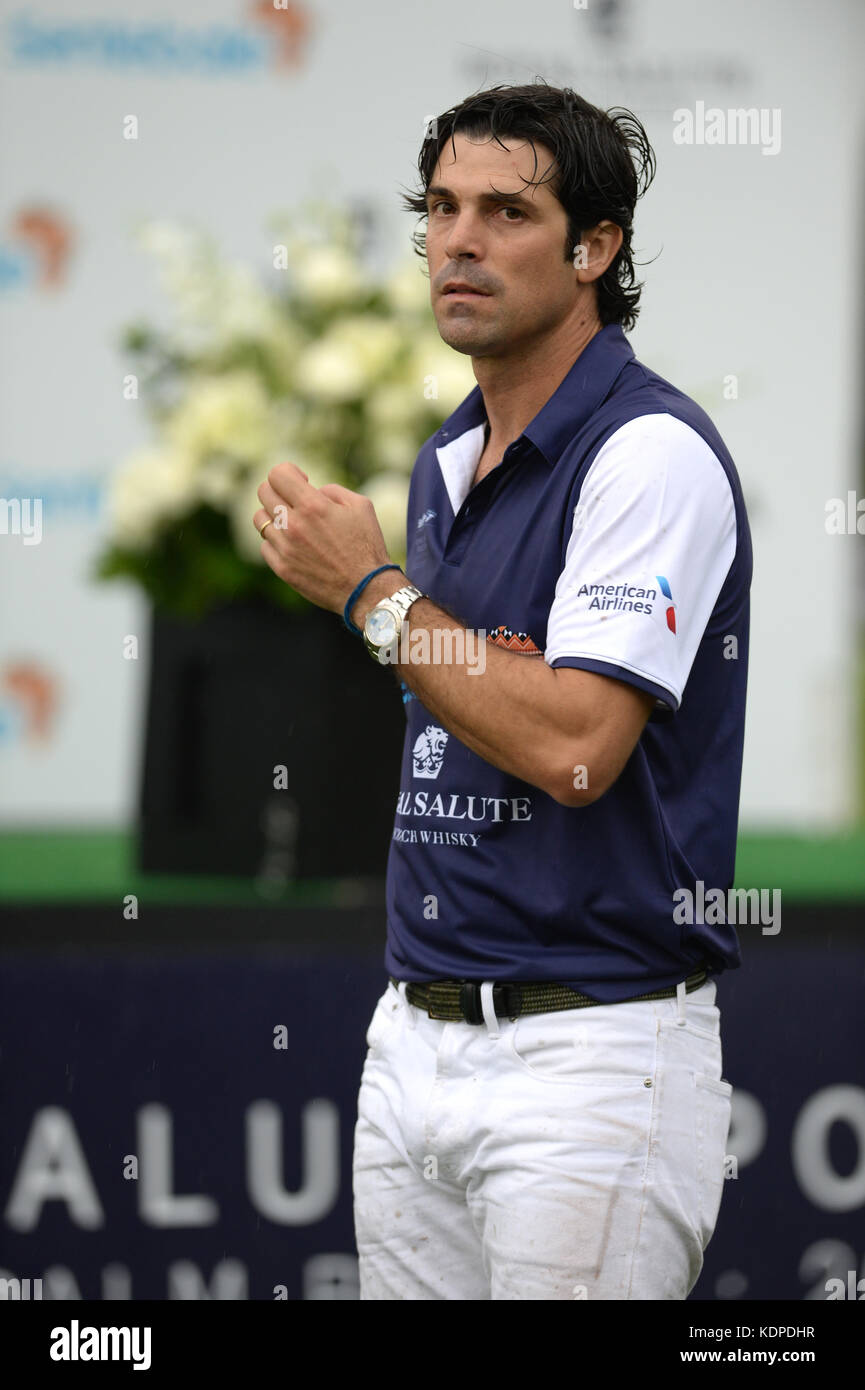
269 522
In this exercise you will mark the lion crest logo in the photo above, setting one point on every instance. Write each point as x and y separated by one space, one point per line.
429 750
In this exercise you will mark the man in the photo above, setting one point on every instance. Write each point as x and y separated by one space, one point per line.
542 1113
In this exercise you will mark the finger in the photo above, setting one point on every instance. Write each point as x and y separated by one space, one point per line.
289 481
274 505
337 493
273 557
260 519
266 494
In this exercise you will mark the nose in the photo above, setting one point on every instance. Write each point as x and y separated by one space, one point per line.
464 238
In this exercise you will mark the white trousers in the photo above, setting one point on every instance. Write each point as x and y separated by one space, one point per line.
571 1155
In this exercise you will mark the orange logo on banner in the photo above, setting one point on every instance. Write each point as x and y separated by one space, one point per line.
36 693
49 238
289 27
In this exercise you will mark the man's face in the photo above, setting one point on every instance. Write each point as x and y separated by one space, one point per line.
512 248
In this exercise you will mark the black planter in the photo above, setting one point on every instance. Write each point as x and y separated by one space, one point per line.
247 690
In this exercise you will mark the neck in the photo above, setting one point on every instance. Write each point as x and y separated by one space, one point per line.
515 387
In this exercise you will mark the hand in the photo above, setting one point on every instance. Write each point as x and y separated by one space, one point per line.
323 540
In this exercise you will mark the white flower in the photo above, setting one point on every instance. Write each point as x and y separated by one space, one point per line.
152 489
242 308
440 375
230 427
187 261
330 371
350 358
389 495
394 405
218 481
393 414
220 305
395 450
282 346
216 302
376 340
325 275
287 417
226 414
408 288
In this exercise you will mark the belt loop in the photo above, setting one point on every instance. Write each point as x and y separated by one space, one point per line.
409 1008
681 1004
488 1009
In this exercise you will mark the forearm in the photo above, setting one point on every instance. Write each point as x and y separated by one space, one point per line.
500 704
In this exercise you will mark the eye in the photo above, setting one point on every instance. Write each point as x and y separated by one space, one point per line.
508 207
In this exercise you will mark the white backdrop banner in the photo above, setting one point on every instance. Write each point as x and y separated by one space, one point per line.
750 239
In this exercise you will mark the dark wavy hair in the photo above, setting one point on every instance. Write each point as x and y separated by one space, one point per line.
602 163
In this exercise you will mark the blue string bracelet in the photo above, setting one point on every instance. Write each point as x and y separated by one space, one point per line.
356 593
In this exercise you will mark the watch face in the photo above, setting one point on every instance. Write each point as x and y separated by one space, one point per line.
381 627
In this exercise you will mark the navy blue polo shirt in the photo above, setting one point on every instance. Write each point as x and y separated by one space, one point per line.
611 537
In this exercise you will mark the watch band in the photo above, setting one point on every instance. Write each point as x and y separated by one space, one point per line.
397 605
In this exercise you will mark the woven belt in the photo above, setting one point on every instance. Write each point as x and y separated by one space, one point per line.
455 1001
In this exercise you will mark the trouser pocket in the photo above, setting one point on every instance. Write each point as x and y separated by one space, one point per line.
713 1108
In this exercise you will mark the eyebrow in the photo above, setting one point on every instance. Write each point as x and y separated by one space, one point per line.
439 191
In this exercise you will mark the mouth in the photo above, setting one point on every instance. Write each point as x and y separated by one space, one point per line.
464 292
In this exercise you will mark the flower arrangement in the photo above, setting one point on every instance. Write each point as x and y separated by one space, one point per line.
330 368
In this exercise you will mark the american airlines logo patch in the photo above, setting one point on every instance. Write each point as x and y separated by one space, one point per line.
630 598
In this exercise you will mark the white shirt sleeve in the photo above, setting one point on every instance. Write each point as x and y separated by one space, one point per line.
653 538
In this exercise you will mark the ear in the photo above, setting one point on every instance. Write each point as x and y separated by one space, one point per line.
598 248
